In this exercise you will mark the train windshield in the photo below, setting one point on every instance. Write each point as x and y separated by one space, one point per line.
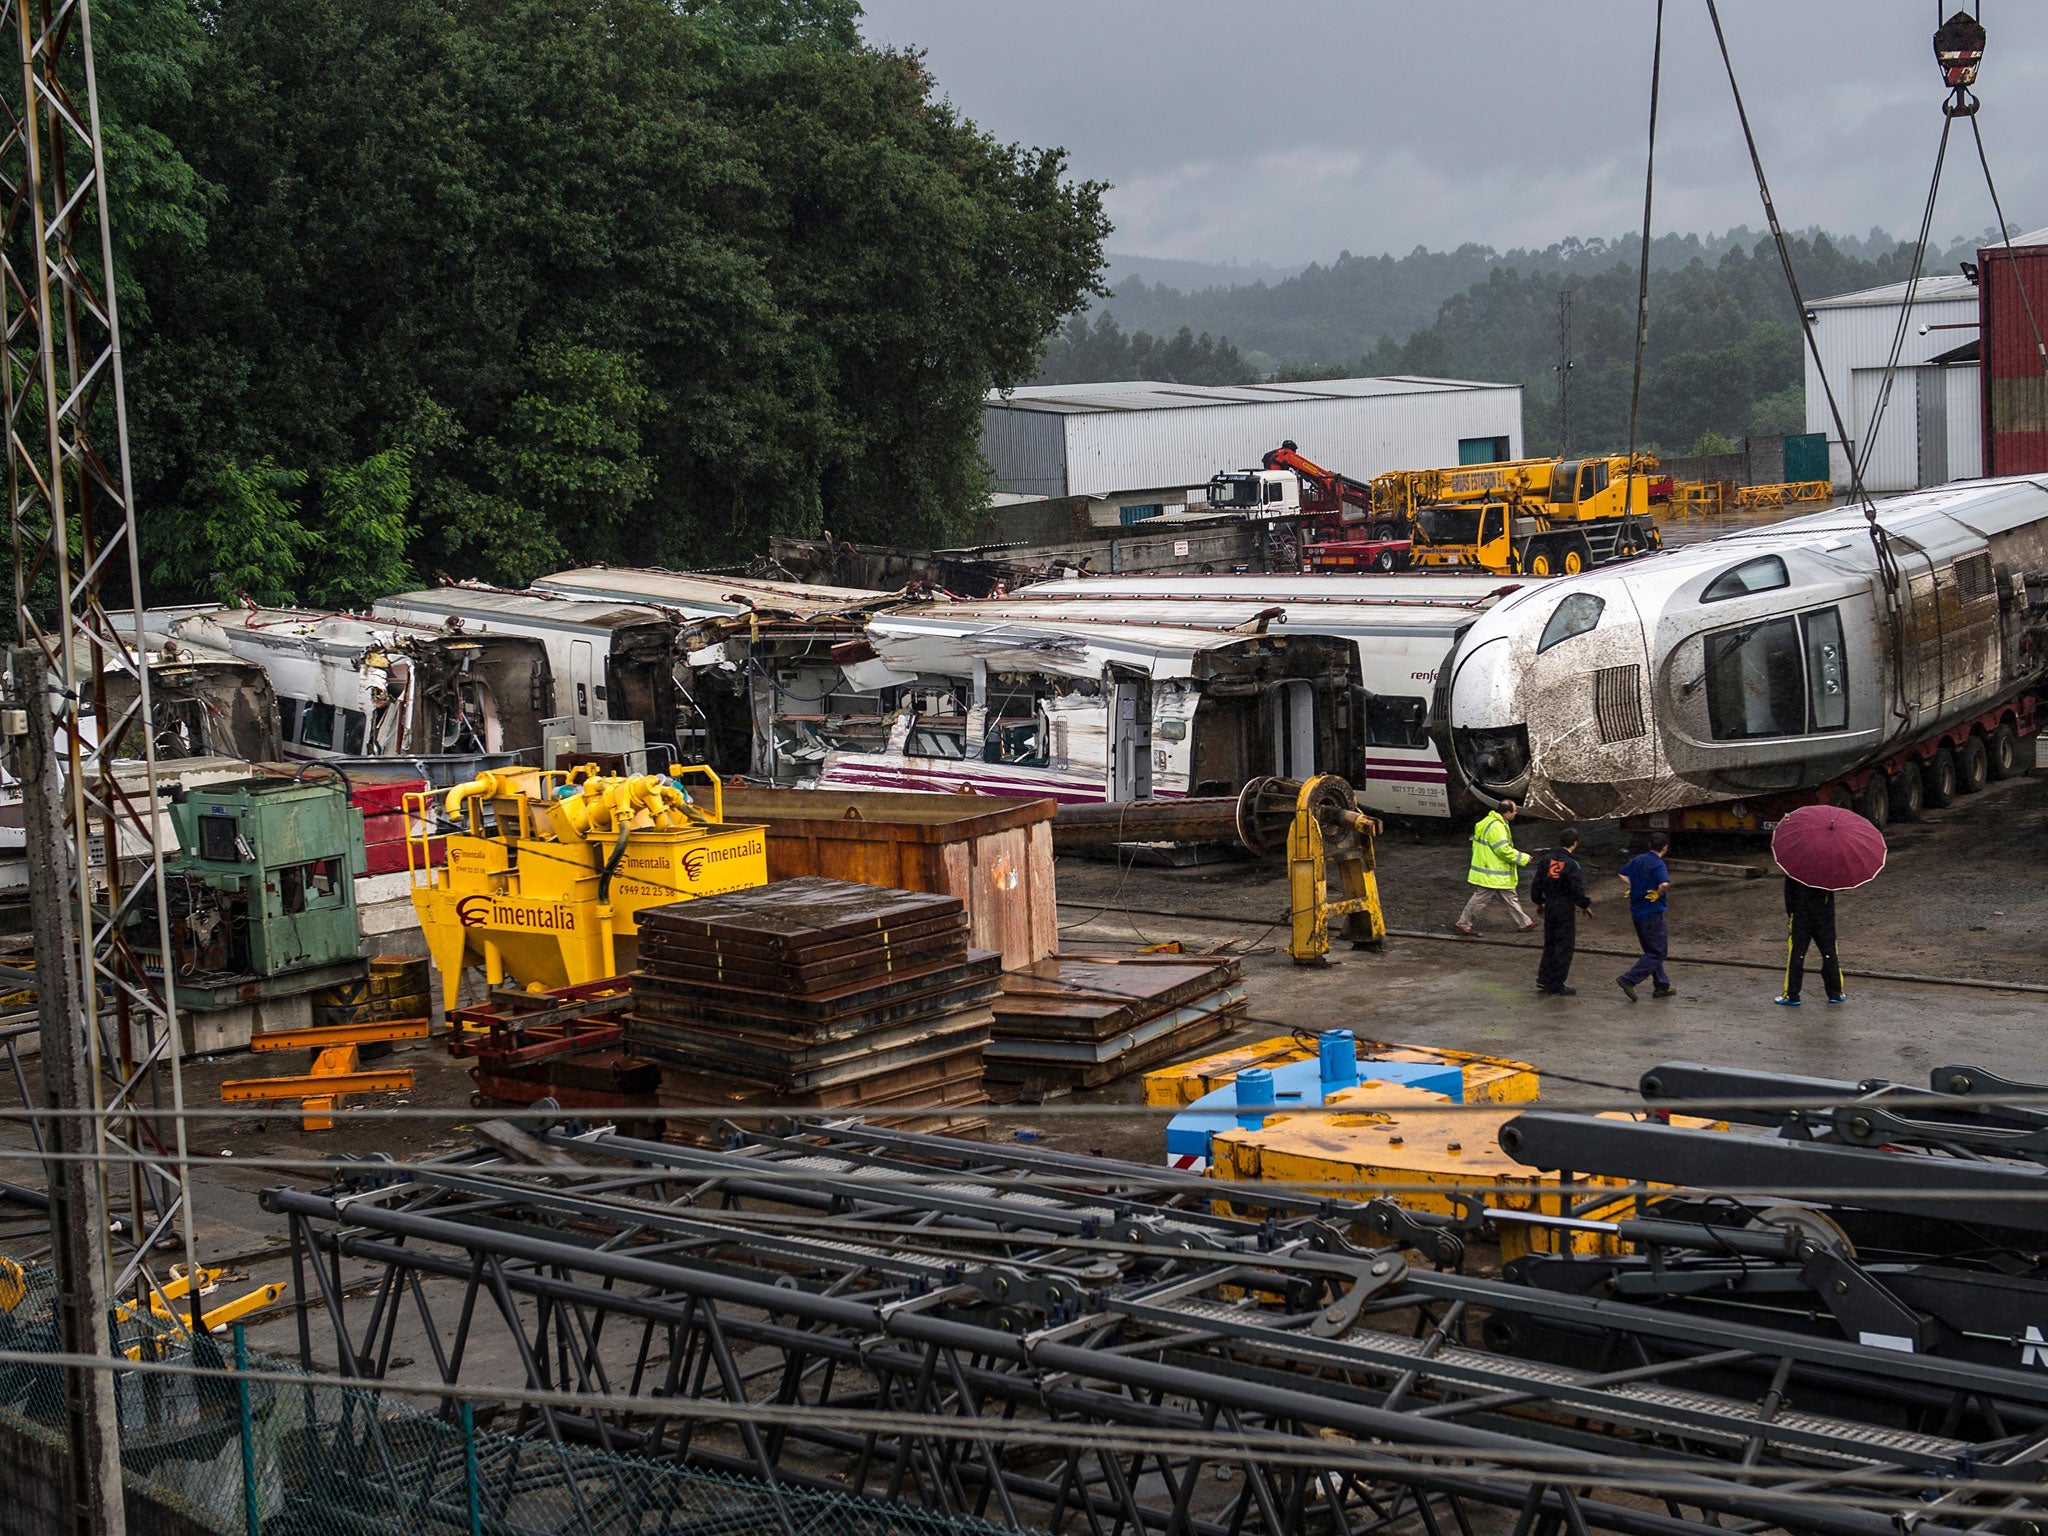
1575 615
1783 677
1764 574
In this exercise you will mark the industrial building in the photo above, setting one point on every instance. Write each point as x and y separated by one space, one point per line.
1933 426
1094 439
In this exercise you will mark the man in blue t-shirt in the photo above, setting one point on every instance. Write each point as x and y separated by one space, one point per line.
1649 897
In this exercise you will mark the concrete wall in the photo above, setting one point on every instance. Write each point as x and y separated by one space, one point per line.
33 1470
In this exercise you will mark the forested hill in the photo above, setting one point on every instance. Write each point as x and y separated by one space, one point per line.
491 286
1723 352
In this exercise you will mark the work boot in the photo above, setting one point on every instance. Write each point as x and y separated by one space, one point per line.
1564 991
1466 929
1665 992
1627 986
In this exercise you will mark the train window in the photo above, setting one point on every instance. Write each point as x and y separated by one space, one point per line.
318 730
1575 615
288 716
352 723
1756 681
1827 683
1396 722
1764 574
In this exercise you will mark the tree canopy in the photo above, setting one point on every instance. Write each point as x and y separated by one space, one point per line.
491 285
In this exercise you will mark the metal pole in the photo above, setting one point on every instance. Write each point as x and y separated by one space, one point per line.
78 1213
469 1477
252 1514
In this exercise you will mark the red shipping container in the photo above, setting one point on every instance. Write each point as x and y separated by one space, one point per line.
2015 371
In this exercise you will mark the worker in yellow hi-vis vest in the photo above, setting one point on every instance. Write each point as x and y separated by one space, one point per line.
1496 870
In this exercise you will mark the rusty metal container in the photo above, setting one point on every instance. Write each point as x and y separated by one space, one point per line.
2015 388
993 852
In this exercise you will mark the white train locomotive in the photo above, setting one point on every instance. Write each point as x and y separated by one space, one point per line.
1717 684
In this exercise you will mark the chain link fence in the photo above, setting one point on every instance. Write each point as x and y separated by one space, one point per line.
269 1459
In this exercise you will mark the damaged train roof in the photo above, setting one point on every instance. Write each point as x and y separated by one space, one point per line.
700 596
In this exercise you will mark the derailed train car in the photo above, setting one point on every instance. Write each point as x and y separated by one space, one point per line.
1718 684
1010 697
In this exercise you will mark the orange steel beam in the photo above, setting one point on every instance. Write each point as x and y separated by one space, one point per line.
319 1037
314 1085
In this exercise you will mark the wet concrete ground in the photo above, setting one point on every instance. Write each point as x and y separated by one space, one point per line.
1964 898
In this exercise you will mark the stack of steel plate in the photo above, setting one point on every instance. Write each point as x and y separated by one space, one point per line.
1080 1020
815 994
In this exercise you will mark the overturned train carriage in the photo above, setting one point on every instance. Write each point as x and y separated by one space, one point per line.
1011 697
1763 665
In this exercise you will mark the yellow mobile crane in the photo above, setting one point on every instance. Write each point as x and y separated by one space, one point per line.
545 874
1530 517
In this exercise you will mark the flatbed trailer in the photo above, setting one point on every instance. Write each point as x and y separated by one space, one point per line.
1959 759
1383 555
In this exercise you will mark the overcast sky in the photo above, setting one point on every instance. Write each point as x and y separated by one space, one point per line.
1288 130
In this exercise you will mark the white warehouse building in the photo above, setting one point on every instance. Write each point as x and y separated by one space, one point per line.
1931 429
1098 439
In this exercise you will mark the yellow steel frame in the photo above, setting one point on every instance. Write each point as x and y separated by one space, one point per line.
1308 876
1789 493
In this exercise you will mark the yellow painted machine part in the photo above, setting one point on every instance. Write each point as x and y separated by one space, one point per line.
518 893
1488 1079
1308 879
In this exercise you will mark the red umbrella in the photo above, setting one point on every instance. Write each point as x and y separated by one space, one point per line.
1828 847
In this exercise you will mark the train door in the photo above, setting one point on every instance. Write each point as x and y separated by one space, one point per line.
1293 728
583 684
1130 735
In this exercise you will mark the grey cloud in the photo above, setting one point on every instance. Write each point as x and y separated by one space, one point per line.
1287 130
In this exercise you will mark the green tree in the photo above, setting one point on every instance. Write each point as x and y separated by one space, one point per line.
366 523
1782 414
673 276
1710 442
245 536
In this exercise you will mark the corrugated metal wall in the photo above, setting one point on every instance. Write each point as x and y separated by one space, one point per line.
1361 437
1027 450
1853 342
2015 394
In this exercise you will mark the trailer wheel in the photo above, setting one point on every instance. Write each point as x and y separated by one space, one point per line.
1385 560
1973 766
1908 793
1939 779
2002 758
1840 798
1874 801
1384 532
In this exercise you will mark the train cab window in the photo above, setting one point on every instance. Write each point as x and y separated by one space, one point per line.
288 716
1756 681
1574 616
1827 683
1764 574
317 729
1396 722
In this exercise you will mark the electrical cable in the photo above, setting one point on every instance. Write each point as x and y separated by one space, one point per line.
1887 564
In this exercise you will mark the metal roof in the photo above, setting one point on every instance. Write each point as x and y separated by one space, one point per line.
1930 290
485 603
702 596
1152 395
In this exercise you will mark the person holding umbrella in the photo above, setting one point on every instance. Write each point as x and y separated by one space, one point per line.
1822 849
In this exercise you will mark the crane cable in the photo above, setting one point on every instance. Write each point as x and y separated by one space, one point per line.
1887 564
1635 391
1891 365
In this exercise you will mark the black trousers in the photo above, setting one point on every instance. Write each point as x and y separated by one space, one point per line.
1819 932
1560 937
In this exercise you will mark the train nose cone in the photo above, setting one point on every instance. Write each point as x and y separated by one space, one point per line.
1489 732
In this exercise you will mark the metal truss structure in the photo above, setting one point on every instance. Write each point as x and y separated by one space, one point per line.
78 605
1062 1344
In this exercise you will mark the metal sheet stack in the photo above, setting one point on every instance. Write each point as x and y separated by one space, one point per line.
818 994
1080 1020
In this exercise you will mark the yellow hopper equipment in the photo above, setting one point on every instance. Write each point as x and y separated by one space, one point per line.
546 873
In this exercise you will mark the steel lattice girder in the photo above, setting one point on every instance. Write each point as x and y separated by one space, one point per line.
976 1288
